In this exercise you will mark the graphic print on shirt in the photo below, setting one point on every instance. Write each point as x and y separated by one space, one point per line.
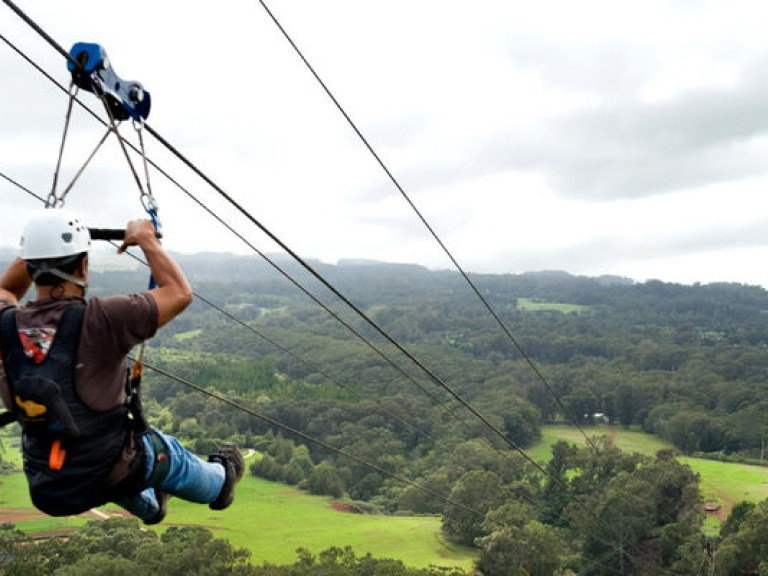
37 342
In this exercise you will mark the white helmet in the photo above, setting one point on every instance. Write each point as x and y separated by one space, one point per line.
54 233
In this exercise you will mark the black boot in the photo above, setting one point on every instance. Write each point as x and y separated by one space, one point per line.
230 457
162 502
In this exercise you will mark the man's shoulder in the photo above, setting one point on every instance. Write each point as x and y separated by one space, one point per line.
134 309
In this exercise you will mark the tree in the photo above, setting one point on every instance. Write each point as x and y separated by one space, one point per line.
473 495
739 513
692 431
522 423
325 480
422 502
104 564
746 550
478 454
533 549
624 517
675 486
268 468
752 427
511 514
554 497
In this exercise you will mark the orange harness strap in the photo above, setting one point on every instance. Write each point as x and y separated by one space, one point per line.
57 456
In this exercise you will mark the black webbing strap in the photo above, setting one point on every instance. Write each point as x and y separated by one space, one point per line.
162 463
7 326
140 425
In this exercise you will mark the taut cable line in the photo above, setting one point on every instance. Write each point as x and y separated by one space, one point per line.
484 419
437 401
437 380
332 289
432 232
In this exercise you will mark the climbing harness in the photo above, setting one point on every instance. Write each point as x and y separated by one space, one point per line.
61 433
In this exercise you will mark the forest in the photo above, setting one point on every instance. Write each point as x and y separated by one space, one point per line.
359 420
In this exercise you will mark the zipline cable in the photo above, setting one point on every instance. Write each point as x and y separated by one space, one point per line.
432 376
314 273
317 276
437 401
21 187
434 234
326 283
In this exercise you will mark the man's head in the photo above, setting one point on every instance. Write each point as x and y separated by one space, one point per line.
54 244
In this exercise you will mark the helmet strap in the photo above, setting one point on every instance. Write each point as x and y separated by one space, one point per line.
44 268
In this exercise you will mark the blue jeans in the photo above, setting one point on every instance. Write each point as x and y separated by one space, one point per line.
189 478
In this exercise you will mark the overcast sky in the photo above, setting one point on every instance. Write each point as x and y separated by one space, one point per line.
596 137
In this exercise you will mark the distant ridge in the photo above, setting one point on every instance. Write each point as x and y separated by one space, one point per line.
604 280
348 262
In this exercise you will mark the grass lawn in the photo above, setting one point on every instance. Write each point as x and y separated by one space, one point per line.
732 481
272 521
627 440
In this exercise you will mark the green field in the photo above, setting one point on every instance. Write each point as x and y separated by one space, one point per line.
14 499
533 304
189 335
272 521
627 440
730 482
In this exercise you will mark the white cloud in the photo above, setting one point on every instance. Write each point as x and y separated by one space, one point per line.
596 137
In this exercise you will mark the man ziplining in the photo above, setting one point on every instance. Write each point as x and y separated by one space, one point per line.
63 377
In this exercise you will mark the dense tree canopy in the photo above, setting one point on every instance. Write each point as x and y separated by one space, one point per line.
687 363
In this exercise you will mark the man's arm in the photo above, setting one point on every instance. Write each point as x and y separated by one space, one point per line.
15 281
173 293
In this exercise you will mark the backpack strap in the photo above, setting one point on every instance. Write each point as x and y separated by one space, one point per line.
65 342
68 329
7 330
